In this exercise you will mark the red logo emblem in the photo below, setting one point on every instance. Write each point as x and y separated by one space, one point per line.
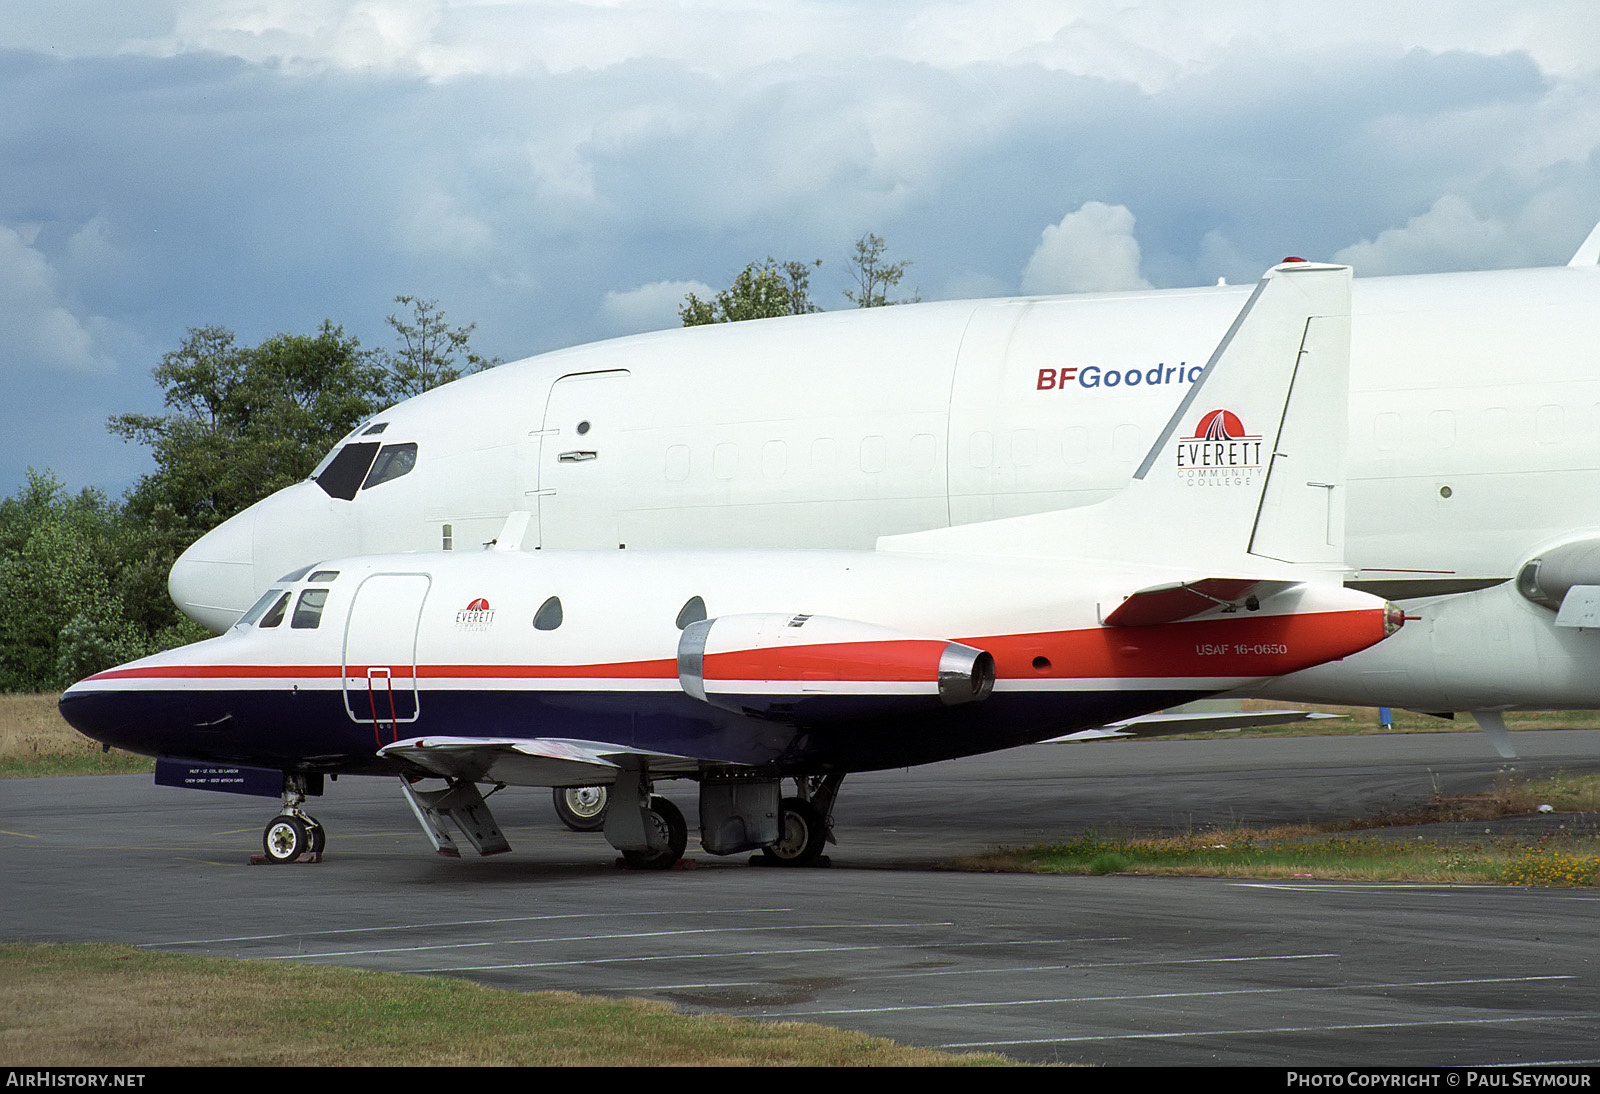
1221 425
476 616
1220 453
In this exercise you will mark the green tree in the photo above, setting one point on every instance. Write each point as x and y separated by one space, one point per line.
427 350
243 422
873 276
762 290
59 557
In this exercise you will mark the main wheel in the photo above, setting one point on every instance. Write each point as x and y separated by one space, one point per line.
581 808
285 839
801 835
669 822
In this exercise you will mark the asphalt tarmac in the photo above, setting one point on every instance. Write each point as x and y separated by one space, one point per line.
1105 970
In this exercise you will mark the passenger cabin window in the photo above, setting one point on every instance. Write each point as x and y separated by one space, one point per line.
308 612
549 615
395 460
344 474
274 616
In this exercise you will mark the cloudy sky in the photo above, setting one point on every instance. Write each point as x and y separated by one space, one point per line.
559 171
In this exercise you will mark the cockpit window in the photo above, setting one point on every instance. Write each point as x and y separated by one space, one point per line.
259 607
342 477
395 460
323 575
372 430
275 615
308 612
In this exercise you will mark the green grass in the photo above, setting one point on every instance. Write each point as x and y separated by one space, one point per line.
1358 721
1256 855
1353 850
118 1006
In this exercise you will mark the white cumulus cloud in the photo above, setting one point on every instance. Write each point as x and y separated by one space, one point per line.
1091 250
37 325
650 307
1449 236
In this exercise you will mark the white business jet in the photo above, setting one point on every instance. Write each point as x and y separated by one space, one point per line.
1220 566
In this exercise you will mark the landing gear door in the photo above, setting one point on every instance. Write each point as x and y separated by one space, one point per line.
380 652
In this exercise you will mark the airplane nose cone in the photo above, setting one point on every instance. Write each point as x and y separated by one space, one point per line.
213 582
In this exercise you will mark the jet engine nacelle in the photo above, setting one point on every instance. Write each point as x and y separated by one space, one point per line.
1551 573
817 668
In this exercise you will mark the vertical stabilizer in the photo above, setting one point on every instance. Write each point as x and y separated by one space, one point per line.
1588 253
1251 464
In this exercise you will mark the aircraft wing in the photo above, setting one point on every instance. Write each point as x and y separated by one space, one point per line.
531 761
1178 600
1202 721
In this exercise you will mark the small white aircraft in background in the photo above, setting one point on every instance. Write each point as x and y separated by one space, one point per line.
1473 426
1218 567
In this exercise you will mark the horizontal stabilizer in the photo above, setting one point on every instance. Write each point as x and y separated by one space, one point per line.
1178 600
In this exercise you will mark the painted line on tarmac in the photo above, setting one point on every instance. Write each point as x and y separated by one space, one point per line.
1258 1031
1130 998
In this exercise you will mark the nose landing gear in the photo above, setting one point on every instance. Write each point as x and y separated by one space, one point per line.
293 835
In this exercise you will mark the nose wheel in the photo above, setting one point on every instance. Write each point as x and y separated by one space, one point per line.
289 836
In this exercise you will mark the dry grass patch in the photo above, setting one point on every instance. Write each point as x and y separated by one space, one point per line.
35 740
118 1006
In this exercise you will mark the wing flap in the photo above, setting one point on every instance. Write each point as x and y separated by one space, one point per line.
531 761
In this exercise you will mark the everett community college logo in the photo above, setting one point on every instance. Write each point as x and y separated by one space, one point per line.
1221 452
475 616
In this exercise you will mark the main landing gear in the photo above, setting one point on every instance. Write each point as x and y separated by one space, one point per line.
581 808
653 836
737 814
805 822
648 829
294 834
666 824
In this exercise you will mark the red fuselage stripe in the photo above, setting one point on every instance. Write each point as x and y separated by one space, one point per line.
1262 646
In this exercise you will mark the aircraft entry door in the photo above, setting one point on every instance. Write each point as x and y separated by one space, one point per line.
380 653
580 461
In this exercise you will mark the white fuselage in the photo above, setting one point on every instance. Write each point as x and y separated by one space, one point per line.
1474 431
